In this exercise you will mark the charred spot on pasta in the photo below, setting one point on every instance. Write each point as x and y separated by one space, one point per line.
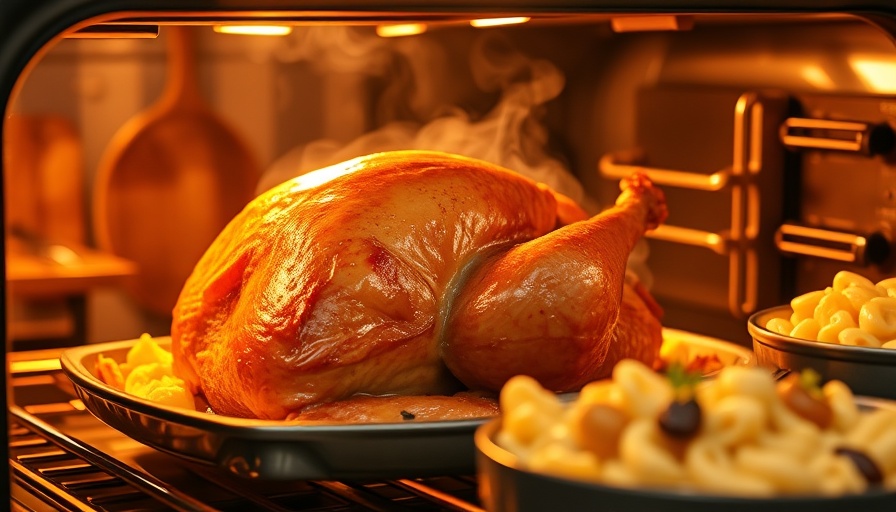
866 466
681 420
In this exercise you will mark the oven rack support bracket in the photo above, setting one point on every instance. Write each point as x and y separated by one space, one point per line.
739 241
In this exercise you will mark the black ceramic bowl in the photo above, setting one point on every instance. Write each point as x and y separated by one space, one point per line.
506 487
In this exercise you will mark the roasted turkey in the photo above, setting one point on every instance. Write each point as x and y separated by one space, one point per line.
413 274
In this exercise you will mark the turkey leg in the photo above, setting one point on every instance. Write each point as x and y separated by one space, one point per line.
553 307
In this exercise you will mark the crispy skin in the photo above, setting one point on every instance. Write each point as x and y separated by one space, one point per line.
367 284
638 333
559 307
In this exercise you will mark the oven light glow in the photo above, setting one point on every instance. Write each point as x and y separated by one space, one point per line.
651 23
494 22
878 73
817 76
401 30
254 30
320 176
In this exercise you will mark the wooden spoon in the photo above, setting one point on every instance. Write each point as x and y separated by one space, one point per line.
170 180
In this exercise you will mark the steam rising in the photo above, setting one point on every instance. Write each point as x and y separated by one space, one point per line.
510 134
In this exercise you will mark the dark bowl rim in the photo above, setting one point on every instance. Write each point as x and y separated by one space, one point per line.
488 448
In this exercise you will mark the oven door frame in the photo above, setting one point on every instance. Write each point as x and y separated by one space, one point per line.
28 28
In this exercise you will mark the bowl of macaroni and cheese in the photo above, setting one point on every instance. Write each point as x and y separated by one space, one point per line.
846 331
643 440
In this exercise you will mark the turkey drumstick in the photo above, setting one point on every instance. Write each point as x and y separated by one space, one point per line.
553 307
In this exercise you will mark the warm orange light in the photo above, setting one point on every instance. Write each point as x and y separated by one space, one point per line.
494 22
35 365
320 176
817 76
254 30
651 23
402 30
877 72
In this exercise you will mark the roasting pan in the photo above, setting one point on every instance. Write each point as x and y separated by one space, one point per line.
277 450
272 450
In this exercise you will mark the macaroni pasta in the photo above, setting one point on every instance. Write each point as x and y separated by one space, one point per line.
752 439
852 311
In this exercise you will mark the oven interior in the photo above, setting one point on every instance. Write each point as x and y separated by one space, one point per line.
772 136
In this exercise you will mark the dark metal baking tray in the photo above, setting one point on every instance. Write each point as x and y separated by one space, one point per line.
505 487
278 450
867 371
274 450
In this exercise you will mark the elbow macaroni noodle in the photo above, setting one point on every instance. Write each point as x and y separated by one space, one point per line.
749 443
852 311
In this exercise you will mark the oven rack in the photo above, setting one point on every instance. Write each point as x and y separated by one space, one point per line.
62 458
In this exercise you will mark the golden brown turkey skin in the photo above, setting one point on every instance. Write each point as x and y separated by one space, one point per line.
316 294
561 307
